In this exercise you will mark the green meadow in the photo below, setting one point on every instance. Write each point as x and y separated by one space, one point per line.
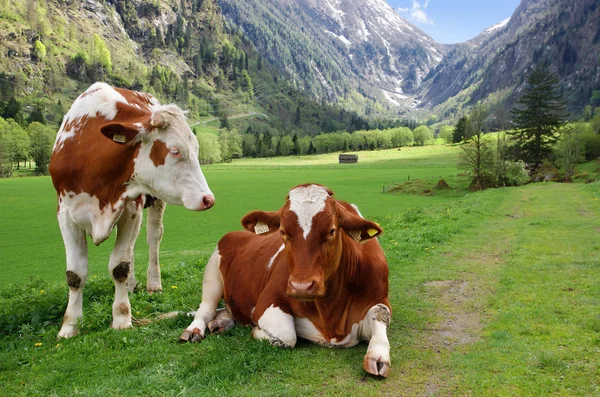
493 293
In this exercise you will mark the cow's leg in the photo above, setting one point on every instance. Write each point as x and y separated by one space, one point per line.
212 291
136 215
276 326
77 269
222 322
121 262
154 230
377 359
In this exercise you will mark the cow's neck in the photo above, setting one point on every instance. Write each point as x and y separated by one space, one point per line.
334 307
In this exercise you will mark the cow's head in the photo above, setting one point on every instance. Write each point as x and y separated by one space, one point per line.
167 163
316 229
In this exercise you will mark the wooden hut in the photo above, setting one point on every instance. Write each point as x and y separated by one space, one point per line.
348 158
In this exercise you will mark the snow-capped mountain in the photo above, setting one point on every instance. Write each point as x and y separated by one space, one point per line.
562 34
337 47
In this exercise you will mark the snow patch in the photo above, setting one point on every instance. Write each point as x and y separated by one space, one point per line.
497 26
342 38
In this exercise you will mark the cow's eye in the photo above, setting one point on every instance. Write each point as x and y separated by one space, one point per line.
175 152
332 231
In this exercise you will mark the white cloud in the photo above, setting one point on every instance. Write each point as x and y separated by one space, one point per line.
417 12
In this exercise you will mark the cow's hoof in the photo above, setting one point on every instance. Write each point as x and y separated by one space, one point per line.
191 336
220 325
152 290
67 331
377 366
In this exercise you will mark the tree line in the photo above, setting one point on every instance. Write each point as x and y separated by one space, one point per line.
230 143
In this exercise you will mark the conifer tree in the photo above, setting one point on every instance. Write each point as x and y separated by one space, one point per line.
539 116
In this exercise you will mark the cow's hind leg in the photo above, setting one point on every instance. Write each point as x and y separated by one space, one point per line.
222 322
77 270
276 326
120 265
212 291
154 230
377 359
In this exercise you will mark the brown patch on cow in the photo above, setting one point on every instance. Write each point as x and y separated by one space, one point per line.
73 280
121 271
159 153
91 163
123 308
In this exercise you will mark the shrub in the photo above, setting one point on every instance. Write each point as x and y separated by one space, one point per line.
516 173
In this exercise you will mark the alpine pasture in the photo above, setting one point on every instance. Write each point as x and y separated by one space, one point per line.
493 293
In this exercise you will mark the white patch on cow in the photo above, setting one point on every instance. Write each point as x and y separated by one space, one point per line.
306 202
275 256
357 211
306 330
276 326
100 99
85 211
212 291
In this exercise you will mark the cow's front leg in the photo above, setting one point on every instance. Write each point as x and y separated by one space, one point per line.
154 231
377 359
120 265
77 270
212 291
276 326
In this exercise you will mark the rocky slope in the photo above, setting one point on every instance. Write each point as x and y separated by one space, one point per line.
332 47
562 34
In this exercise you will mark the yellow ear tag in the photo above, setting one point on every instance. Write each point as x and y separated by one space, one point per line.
261 228
372 232
119 138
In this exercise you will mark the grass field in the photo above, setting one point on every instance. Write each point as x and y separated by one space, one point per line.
494 293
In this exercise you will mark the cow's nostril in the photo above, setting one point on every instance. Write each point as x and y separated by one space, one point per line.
303 288
208 201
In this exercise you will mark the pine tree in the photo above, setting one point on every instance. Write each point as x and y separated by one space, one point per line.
460 130
540 116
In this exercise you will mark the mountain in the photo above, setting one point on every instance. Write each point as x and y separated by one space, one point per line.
182 51
494 66
340 50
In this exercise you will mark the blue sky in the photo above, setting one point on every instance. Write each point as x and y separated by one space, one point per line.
454 21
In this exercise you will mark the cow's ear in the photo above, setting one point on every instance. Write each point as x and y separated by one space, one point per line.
361 229
120 132
260 222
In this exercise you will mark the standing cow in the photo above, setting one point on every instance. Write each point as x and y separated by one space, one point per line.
114 148
313 270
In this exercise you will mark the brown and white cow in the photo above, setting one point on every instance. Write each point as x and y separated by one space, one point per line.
312 269
114 148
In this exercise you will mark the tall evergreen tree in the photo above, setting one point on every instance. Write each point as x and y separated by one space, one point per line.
539 117
460 130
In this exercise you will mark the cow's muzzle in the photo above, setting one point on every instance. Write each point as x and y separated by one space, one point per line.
307 290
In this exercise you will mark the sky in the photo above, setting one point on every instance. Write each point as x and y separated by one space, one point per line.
454 21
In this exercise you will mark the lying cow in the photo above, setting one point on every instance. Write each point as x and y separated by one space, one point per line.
114 149
311 270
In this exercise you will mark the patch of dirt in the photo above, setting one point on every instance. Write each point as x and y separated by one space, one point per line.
459 325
